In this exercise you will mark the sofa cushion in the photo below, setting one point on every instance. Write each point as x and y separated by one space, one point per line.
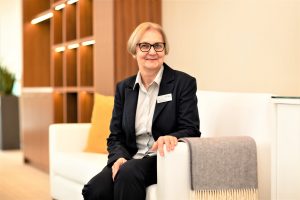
78 166
100 121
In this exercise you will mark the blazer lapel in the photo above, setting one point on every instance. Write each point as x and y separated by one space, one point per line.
130 105
166 87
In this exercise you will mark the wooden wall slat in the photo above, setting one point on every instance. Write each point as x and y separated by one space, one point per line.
127 15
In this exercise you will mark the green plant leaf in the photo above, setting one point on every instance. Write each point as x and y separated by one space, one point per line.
7 80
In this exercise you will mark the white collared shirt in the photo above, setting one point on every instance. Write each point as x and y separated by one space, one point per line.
144 114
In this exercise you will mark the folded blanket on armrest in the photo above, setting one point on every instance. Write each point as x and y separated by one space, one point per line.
223 168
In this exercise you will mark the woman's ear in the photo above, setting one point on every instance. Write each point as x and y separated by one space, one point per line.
134 56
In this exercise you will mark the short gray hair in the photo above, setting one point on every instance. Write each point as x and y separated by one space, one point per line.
136 35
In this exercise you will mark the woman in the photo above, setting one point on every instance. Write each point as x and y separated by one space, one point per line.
151 109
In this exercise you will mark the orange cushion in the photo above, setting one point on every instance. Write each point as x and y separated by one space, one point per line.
99 131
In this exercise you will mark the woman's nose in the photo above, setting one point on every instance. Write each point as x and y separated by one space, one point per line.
152 50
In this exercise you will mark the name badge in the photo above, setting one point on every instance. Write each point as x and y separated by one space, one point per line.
164 98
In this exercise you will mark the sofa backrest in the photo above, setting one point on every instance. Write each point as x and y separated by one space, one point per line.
229 113
234 114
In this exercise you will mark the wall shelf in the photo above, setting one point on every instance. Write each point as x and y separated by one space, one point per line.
49 62
59 83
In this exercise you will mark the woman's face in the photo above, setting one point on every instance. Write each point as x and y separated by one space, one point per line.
150 60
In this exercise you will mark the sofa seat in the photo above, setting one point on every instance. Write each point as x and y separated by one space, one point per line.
68 164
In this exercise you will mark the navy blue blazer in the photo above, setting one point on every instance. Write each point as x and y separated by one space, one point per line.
178 117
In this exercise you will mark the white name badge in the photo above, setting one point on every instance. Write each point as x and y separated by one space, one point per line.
164 98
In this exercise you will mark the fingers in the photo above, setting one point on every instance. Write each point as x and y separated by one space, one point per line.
116 166
173 143
169 141
160 144
154 147
115 169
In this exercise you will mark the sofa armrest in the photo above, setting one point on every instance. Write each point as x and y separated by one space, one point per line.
68 137
173 174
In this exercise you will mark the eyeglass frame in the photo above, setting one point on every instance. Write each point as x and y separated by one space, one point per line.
152 45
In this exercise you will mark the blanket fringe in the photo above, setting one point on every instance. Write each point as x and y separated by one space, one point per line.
232 194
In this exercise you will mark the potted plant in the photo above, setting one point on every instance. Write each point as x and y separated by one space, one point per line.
9 111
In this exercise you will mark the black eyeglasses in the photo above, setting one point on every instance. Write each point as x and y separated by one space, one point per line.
158 46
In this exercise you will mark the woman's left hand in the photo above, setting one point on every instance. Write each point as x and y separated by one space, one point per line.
168 140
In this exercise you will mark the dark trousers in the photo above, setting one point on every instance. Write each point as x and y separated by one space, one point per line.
130 182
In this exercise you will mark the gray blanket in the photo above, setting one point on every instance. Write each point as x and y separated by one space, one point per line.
223 163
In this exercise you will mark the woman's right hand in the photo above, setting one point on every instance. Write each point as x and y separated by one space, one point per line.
116 166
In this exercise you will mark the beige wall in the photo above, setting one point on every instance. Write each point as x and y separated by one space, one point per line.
236 45
11 38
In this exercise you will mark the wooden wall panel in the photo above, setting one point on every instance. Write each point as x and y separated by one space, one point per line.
71 106
71 26
58 101
36 39
127 15
36 68
35 126
71 64
103 59
85 107
86 18
32 8
57 27
86 66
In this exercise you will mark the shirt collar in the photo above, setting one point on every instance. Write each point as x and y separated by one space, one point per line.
157 78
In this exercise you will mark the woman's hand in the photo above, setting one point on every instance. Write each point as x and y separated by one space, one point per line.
116 166
168 140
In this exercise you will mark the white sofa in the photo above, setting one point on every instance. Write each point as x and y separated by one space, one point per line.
221 114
